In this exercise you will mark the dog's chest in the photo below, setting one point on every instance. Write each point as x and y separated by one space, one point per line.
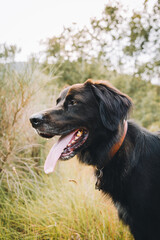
122 213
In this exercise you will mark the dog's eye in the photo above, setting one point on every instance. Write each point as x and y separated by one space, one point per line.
72 102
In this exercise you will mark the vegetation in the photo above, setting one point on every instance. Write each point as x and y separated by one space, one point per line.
65 205
127 43
58 207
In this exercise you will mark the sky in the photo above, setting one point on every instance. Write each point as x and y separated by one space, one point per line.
27 22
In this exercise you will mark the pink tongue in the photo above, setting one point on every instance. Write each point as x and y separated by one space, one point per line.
56 152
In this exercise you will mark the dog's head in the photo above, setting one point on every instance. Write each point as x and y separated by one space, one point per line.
84 115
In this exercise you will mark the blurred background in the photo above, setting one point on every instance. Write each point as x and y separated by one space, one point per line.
45 46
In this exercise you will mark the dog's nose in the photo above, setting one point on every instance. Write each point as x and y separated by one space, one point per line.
36 120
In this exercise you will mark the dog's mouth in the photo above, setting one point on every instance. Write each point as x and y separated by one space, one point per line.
66 148
78 139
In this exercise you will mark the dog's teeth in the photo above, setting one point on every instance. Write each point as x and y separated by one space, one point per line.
76 138
73 141
79 133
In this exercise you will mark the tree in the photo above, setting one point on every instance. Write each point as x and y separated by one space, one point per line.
120 42
144 41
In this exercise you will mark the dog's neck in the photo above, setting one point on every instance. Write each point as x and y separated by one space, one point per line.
118 144
112 153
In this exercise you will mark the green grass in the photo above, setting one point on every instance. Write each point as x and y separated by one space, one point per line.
63 205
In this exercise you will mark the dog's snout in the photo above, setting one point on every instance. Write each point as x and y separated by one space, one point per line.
36 120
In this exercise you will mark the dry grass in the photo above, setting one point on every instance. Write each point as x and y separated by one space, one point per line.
64 206
18 145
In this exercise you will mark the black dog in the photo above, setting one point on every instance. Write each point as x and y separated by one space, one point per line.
91 118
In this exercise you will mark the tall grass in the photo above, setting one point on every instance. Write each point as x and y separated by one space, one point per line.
63 205
19 147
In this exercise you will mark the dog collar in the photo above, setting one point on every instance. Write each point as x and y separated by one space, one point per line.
112 153
118 144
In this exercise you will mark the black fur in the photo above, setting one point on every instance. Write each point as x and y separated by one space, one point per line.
132 176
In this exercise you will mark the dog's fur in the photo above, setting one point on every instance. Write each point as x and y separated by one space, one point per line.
132 176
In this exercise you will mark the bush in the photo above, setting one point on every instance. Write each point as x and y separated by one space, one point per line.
20 153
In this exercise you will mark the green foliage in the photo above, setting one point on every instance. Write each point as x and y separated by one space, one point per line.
70 72
143 40
146 99
115 39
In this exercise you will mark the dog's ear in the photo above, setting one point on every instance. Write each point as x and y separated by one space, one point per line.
113 105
